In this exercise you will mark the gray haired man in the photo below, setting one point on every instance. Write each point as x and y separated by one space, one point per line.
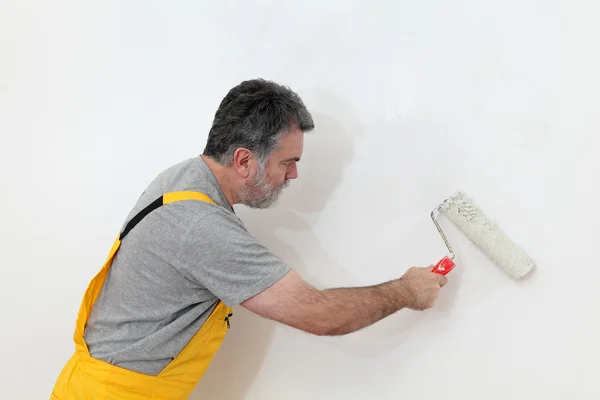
160 313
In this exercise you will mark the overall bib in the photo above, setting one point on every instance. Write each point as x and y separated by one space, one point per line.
84 377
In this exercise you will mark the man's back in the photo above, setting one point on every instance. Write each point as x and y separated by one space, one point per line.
171 270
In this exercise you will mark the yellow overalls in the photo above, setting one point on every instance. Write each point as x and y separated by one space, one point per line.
84 377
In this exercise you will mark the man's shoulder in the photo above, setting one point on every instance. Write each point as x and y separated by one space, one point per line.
185 175
182 176
173 172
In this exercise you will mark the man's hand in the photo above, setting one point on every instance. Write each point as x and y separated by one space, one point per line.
422 287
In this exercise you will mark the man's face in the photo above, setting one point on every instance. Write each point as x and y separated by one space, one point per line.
265 187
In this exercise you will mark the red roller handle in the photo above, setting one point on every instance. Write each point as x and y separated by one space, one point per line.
444 266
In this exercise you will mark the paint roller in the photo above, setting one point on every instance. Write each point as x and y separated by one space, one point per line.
484 233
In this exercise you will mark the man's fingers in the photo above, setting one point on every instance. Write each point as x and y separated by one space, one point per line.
443 280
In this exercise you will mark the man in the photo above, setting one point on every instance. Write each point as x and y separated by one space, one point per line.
155 315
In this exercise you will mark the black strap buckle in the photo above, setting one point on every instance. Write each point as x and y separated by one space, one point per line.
227 320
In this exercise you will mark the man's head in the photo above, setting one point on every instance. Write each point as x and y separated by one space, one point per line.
257 134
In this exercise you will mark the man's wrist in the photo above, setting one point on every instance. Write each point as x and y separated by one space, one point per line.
403 293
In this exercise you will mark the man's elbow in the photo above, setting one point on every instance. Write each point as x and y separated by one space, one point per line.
322 327
318 330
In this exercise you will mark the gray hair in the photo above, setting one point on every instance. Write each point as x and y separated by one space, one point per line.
255 115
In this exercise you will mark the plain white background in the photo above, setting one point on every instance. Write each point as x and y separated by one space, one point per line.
412 100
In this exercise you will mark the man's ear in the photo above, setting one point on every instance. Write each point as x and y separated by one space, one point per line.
241 161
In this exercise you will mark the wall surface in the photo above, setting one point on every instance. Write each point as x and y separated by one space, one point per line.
412 100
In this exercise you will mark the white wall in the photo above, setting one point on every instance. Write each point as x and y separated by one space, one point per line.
412 100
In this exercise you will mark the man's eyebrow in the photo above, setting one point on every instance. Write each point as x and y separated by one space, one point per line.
292 159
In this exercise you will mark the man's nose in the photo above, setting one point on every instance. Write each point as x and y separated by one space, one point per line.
292 172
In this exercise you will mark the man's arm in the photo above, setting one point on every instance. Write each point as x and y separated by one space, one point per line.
294 302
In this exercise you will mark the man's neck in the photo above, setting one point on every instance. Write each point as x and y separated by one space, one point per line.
224 180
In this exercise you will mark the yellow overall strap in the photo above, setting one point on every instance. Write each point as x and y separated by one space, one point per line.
95 286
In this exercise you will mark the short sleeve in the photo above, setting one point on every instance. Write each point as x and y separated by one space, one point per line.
221 255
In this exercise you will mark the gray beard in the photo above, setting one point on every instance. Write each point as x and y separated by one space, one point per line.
260 194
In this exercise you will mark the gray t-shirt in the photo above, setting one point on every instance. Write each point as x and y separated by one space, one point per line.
170 271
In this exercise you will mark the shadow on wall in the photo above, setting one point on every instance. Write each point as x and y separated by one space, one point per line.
328 151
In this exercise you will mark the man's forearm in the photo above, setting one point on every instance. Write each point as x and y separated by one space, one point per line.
345 310
296 303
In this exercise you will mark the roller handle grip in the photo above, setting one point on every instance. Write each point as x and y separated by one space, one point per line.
444 266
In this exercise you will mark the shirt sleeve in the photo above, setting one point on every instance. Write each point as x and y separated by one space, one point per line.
221 255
